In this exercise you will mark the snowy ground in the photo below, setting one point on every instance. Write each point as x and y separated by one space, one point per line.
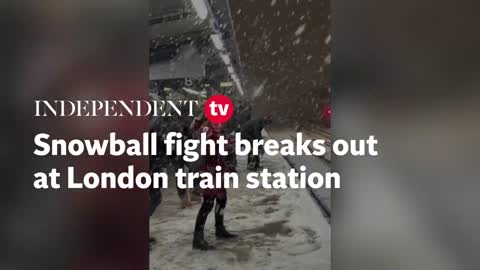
279 229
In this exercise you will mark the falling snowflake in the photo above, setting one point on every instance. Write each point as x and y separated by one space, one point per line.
300 30
273 3
328 59
328 39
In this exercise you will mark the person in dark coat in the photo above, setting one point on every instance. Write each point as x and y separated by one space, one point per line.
252 130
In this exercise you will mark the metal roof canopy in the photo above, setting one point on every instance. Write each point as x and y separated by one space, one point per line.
176 25
189 63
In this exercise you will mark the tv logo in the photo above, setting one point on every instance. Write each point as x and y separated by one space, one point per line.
218 109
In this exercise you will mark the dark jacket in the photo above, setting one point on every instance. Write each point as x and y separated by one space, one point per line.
252 129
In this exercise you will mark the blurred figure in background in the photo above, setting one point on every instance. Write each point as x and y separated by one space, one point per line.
252 130
213 131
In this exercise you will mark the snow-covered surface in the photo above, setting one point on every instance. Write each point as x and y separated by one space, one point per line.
279 229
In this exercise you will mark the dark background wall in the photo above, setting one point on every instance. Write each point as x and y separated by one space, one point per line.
291 64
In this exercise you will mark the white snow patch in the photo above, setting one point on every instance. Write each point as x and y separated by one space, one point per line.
200 8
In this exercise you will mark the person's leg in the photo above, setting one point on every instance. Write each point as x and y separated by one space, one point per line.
231 163
196 192
256 162
182 192
198 236
184 198
220 230
251 161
